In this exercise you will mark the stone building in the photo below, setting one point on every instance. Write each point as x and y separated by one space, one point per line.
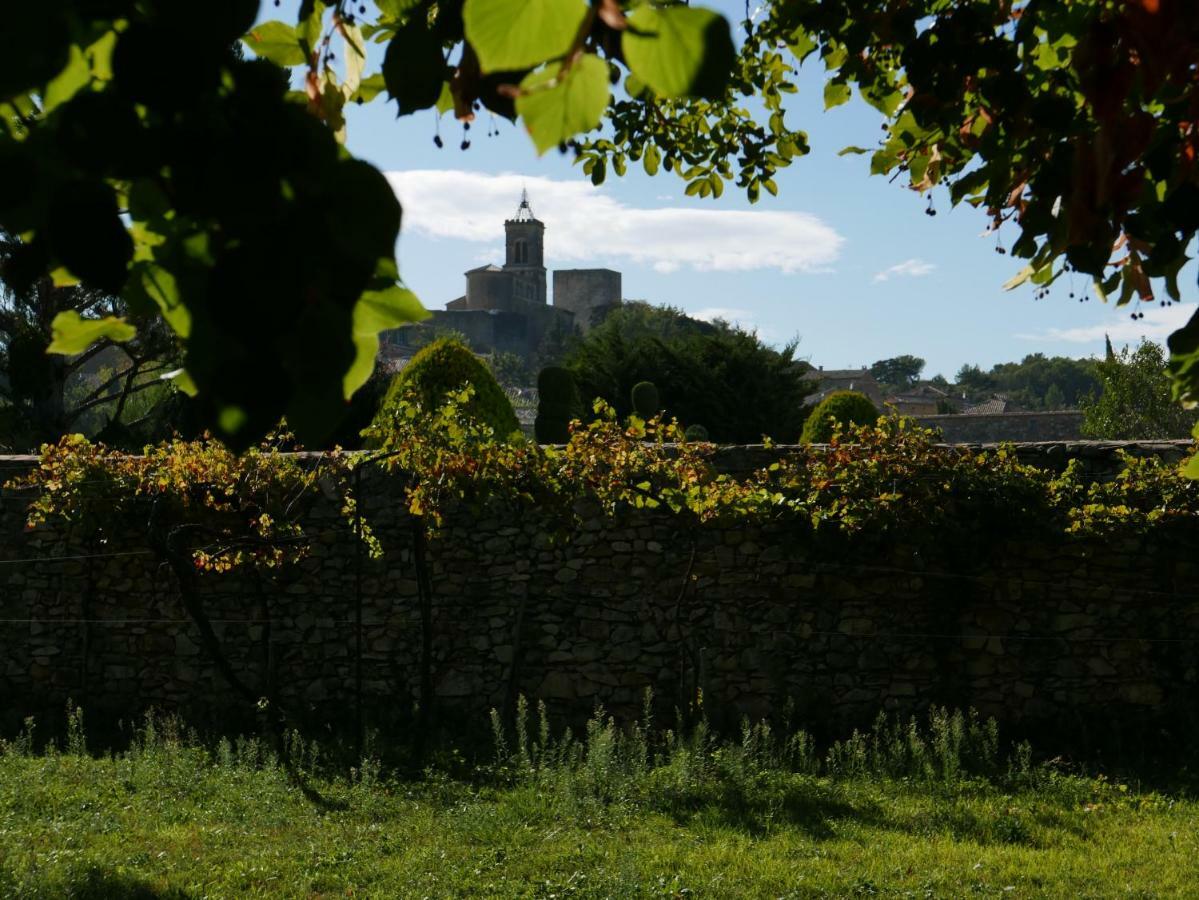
506 309
829 381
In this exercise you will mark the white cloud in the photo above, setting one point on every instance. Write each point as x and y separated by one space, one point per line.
1157 325
729 314
584 224
911 267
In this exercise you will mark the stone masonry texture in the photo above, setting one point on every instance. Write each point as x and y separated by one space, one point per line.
1063 634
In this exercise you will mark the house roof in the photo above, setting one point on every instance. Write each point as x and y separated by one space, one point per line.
994 406
924 394
830 380
839 374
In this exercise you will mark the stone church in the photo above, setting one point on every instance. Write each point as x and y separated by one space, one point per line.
505 308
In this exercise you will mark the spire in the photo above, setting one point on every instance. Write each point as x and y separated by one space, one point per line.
524 212
1110 353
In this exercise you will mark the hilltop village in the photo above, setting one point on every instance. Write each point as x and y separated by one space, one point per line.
509 311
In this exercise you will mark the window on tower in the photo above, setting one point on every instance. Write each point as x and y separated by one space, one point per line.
521 252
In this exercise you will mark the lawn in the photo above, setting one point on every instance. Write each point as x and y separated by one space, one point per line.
616 814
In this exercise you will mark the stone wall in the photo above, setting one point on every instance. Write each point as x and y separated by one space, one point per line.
978 428
1065 633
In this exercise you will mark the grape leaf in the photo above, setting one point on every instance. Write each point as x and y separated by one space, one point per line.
71 333
377 311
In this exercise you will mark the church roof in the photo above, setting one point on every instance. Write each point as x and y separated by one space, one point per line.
490 267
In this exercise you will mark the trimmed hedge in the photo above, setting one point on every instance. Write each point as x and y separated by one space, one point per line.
448 365
557 404
647 403
843 407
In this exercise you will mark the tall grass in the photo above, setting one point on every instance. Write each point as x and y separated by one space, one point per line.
677 770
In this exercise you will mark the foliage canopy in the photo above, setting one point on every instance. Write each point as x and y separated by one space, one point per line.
714 374
899 371
1036 382
142 157
1135 402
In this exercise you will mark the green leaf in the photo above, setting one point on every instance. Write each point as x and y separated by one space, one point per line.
311 23
521 34
1191 469
182 381
852 151
355 57
159 285
882 161
414 69
836 93
369 88
1019 278
651 159
378 311
67 83
445 102
802 44
71 333
680 51
276 41
396 8
557 107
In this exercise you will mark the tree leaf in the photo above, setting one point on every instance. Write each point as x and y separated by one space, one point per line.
369 88
836 93
651 159
1019 278
67 83
355 58
276 41
556 106
182 381
414 69
378 311
71 333
679 50
521 34
311 21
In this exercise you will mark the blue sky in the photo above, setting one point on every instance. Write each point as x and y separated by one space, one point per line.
845 262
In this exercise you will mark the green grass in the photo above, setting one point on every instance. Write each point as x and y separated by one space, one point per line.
902 811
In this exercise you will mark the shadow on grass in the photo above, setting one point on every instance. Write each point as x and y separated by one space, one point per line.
819 811
97 883
811 808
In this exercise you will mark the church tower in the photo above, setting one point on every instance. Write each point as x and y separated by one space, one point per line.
525 253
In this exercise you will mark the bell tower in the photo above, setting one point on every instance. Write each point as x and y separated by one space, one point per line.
525 252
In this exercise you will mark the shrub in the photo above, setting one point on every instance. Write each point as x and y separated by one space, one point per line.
557 404
696 433
844 407
447 365
646 402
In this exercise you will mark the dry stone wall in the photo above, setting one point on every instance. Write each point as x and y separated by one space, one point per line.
1065 633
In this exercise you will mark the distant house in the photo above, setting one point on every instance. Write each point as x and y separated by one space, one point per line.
924 400
992 407
831 380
